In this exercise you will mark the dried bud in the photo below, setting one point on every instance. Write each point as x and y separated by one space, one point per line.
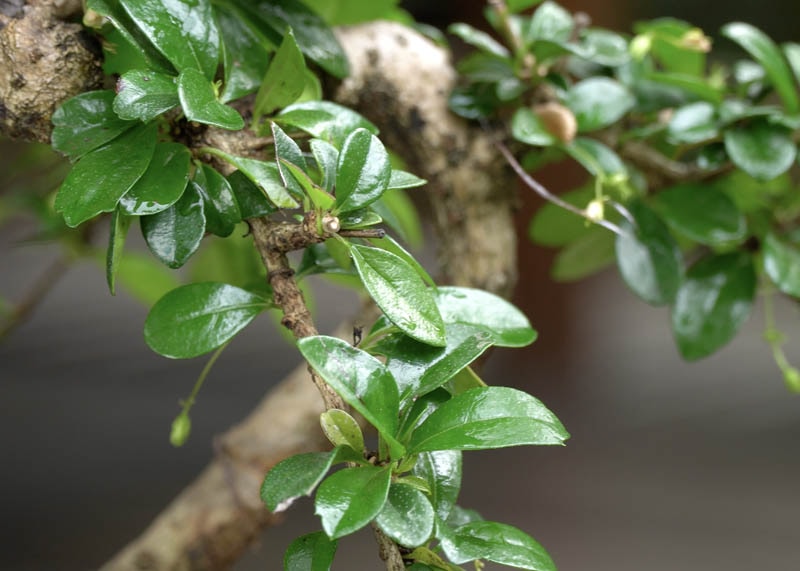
696 40
558 120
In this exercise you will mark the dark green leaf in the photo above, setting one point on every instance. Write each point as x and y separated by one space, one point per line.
327 157
401 294
145 94
549 22
496 542
693 123
765 52
598 102
555 226
219 203
120 55
162 183
197 318
407 516
324 120
342 429
86 122
364 219
244 54
487 417
363 172
312 552
595 157
144 278
761 149
185 32
782 264
116 244
285 79
585 256
702 213
648 257
265 175
294 477
252 202
526 127
713 303
441 470
289 151
478 39
350 498
200 103
98 181
174 234
421 408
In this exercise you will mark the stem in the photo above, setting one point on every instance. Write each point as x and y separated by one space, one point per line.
34 296
776 339
388 550
189 402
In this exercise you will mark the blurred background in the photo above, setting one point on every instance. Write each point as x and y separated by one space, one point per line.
671 465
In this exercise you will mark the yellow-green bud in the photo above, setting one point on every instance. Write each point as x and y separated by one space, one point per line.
181 428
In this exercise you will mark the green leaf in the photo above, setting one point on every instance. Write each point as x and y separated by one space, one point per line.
550 22
350 498
792 52
498 543
762 150
252 202
324 120
174 234
360 379
401 294
342 429
782 264
319 197
312 552
648 257
555 226
364 219
145 94
219 203
407 516
264 175
442 470
702 213
98 181
668 45
294 477
585 256
713 303
391 245
162 184
144 278
403 179
605 48
695 87
481 40
765 52
184 32
287 151
285 78
245 55
116 244
197 318
487 417
595 157
200 103
363 172
598 102
693 123
86 122
327 157
526 127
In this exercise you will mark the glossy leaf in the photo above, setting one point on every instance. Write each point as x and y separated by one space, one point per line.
713 303
264 175
295 477
585 256
407 516
145 94
244 54
782 264
200 103
421 408
318 196
363 172
350 498
324 120
555 226
403 179
498 543
312 552
364 219
360 379
648 257
595 157
550 22
391 245
442 470
476 38
116 244
327 157
692 87
86 122
401 294
526 127
184 32
605 48
174 234
762 150
219 203
284 81
287 151
598 102
693 123
488 417
162 184
342 429
197 318
98 181
765 52
702 213
792 52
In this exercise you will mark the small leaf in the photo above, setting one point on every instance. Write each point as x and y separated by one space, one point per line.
200 103
162 184
403 179
98 181
782 264
407 516
595 157
762 150
585 256
197 318
327 157
350 498
364 219
265 175
605 48
174 234
312 552
693 123
363 172
526 127
498 543
489 417
116 244
550 22
287 151
245 55
481 40
219 203
285 79
598 102
401 294
145 94
342 429
252 202
324 120
442 471
555 226
648 257
294 477
298 177
86 122
713 303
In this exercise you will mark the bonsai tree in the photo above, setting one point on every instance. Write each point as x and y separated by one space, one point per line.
248 131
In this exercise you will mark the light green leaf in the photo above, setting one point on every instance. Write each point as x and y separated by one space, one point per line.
550 22
526 127
145 94
342 429
200 103
116 245
407 516
233 261
598 102
693 123
555 226
481 40
595 157
403 179
312 552
585 256
264 175
327 157
285 79
761 149
174 234
782 264
294 477
324 120
350 498
604 47
496 542
162 184
363 172
792 52
442 470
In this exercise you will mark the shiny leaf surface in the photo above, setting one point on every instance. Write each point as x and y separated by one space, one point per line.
702 213
350 498
598 102
403 179
145 94
496 542
526 127
245 55
294 477
407 516
595 157
312 552
219 203
693 123
252 202
342 429
782 264
174 234
363 172
442 470
200 103
324 120
264 175
285 79
162 184
762 150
